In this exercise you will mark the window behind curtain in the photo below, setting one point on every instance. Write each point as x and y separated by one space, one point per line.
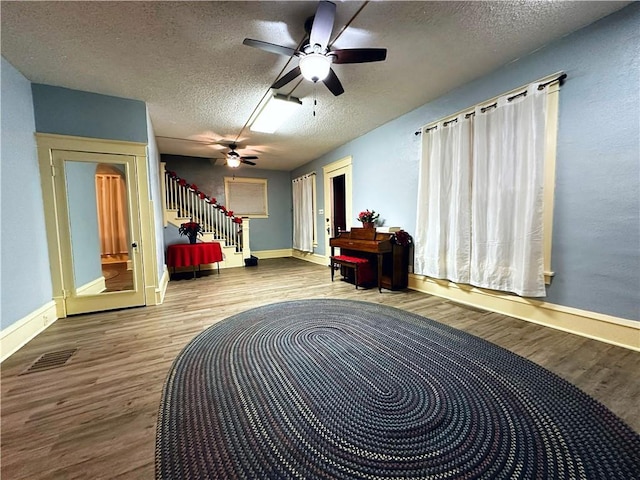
497 233
303 213
443 236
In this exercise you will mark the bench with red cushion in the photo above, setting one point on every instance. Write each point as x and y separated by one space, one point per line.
362 268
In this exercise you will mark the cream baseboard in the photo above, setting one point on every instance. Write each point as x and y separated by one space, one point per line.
605 328
261 254
162 288
280 253
19 333
311 257
93 287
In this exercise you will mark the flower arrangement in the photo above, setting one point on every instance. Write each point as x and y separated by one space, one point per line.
368 216
191 229
401 238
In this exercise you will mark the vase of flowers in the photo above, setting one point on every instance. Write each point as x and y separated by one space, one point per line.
368 218
191 229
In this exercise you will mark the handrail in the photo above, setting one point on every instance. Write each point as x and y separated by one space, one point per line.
213 217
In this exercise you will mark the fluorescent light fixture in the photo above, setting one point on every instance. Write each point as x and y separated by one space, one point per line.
277 109
315 66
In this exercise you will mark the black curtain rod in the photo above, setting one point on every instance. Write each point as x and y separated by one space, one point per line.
560 78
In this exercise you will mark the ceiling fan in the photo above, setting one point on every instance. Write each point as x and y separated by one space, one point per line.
315 56
232 157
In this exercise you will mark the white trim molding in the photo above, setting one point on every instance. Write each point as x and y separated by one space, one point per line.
18 334
311 257
605 328
280 253
93 287
162 288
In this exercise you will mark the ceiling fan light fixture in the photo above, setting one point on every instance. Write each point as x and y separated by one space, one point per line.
315 66
275 112
233 161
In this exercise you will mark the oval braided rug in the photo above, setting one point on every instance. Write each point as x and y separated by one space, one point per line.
342 389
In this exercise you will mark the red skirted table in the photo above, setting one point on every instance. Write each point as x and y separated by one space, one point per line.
192 254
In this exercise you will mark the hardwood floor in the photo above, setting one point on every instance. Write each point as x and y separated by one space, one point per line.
117 277
95 417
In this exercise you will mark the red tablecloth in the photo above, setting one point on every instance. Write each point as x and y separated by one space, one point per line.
191 254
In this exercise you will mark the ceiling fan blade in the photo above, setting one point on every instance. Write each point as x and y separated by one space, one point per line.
291 75
270 47
244 160
202 142
250 157
323 24
333 84
224 142
359 55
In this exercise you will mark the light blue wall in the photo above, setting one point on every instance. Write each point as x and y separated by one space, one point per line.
596 236
25 274
271 233
82 202
153 157
72 112
25 279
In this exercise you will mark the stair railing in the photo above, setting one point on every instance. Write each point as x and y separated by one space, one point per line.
214 218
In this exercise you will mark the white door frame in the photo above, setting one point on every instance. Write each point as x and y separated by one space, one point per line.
52 149
330 171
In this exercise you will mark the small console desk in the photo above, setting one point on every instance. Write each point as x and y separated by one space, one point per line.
192 254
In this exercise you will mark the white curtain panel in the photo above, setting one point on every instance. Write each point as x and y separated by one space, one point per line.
443 231
112 214
303 214
507 195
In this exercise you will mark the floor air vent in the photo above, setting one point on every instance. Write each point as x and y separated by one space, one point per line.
50 360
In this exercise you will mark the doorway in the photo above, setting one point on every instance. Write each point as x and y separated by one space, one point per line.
337 199
93 218
338 206
95 223
111 196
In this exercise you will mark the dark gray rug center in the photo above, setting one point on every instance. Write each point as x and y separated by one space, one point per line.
342 389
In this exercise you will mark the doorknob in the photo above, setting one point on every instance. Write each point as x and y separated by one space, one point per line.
134 245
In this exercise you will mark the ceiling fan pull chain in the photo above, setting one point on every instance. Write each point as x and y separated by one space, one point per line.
315 98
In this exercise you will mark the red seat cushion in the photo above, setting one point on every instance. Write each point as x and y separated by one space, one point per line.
366 273
346 258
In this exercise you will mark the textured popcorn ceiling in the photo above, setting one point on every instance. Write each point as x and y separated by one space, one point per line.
187 61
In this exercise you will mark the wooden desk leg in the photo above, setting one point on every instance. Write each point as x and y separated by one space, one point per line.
380 272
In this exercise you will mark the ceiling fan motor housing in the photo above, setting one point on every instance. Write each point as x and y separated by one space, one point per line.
316 57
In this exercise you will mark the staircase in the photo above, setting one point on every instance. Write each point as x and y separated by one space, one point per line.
183 202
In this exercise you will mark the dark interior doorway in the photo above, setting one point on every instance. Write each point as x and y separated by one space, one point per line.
339 208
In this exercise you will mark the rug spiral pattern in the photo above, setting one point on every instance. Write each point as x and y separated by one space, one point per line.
342 389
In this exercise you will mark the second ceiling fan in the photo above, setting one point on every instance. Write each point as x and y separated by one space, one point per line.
234 159
315 56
